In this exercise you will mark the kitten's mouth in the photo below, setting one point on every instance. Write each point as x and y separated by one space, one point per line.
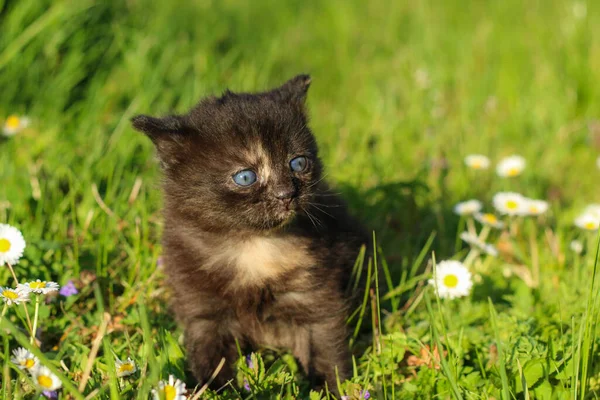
283 213
284 219
287 217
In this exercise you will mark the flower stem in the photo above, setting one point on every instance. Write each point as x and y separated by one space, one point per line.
513 226
473 254
471 226
535 262
3 312
485 231
24 305
35 317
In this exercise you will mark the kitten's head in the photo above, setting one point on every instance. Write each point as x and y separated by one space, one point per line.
241 161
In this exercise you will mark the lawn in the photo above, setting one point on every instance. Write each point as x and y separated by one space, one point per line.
401 93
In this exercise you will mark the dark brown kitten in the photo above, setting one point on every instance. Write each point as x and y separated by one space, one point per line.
256 247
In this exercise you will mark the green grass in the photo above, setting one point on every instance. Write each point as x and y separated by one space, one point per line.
401 92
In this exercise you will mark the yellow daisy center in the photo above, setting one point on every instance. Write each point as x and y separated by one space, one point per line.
490 218
37 285
44 381
514 171
28 363
13 122
590 225
512 205
11 295
476 164
450 281
127 367
4 245
533 209
170 392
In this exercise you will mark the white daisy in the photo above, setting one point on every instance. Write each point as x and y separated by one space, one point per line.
490 249
510 166
125 368
477 161
593 209
14 124
14 296
451 279
588 221
12 244
489 220
24 359
509 203
468 207
174 389
474 241
39 287
535 207
576 246
45 379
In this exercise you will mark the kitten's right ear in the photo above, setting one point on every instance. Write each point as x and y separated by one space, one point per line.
295 89
157 128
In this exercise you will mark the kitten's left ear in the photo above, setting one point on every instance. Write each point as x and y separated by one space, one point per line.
156 128
295 89
167 134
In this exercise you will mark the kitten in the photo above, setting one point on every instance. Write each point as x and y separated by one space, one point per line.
256 247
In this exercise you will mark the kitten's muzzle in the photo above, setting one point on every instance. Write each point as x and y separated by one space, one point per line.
286 195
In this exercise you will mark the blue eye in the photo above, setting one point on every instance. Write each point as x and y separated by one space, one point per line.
298 164
245 178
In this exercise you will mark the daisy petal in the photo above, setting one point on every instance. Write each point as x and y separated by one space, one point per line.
451 279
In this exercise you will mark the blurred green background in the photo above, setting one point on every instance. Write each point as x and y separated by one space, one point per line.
401 91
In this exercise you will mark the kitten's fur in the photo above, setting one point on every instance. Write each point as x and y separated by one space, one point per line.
244 264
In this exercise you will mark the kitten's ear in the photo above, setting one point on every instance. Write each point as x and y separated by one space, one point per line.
167 134
158 128
295 89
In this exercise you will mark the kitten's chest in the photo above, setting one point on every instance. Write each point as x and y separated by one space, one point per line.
262 261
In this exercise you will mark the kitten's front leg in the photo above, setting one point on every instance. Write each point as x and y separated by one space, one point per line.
329 351
207 343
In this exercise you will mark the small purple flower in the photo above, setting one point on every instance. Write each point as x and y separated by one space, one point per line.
365 395
249 362
68 290
159 262
50 395
247 385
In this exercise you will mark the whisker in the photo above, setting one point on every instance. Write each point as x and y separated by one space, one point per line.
329 194
325 205
314 183
307 214
317 219
320 209
313 218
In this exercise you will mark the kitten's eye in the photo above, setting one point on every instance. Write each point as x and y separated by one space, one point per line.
245 178
298 164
